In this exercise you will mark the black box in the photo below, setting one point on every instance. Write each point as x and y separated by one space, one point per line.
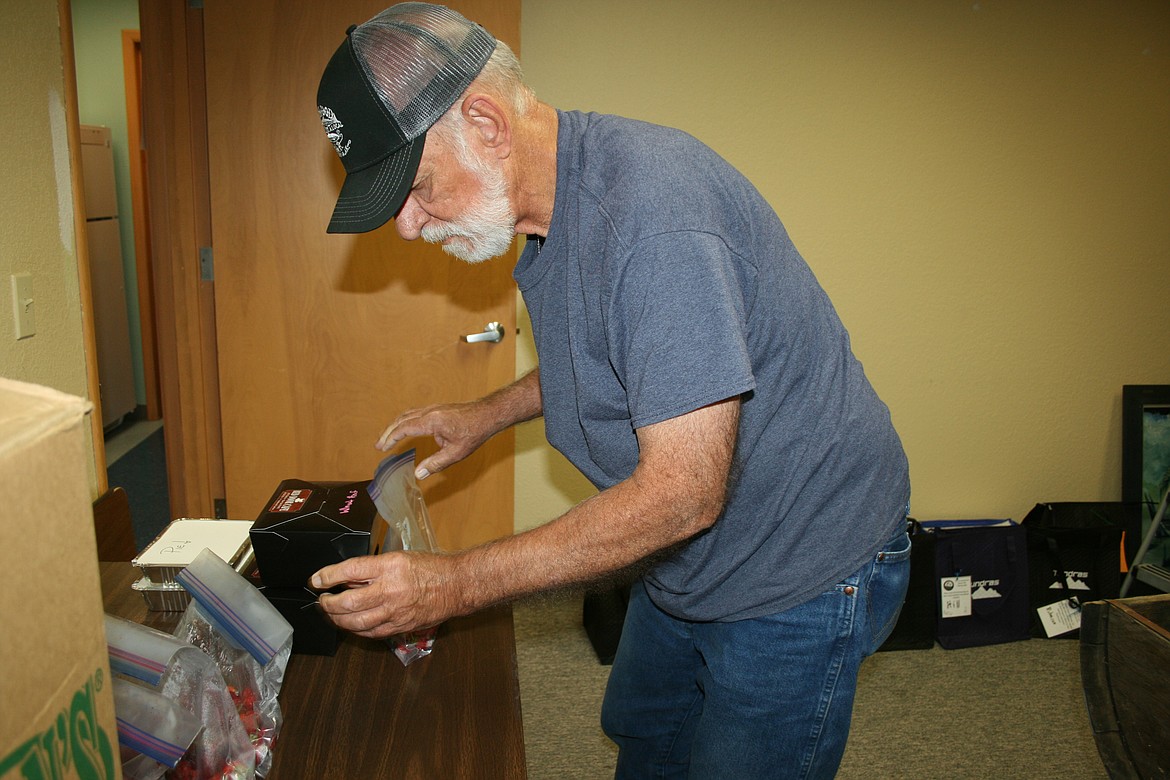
307 525
313 634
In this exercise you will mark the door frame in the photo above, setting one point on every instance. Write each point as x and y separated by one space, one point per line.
136 154
174 119
81 246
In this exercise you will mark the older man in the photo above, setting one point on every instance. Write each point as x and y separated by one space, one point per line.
689 365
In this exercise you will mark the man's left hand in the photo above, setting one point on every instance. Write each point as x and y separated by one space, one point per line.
388 594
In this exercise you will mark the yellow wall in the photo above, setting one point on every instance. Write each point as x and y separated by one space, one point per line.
36 203
982 187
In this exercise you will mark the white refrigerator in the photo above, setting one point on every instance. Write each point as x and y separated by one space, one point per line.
111 320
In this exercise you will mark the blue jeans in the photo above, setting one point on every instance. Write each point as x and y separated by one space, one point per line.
769 697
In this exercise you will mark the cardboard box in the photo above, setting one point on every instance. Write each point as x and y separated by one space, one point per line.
56 700
307 525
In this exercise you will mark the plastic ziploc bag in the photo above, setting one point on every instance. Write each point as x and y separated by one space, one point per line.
152 726
186 675
408 527
231 621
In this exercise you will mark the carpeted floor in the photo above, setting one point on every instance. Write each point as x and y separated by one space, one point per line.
561 686
1003 711
142 472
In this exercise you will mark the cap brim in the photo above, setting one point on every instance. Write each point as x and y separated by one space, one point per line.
372 196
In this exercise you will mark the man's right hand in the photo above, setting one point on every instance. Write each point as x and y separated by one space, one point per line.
458 429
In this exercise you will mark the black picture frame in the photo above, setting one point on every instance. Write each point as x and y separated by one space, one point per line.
1138 403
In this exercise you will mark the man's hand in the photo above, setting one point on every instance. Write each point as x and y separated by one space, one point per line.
388 594
458 429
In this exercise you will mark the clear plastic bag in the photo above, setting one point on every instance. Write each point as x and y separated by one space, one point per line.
136 766
186 675
246 637
155 728
407 527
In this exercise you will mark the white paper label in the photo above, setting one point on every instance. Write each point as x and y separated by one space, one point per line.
955 596
1060 617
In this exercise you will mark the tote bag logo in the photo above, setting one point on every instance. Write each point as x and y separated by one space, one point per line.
1074 580
985 589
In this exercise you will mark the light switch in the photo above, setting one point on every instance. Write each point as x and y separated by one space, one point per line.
23 306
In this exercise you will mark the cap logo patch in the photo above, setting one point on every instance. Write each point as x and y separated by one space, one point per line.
333 130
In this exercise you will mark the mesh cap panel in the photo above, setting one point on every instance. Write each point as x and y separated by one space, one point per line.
420 58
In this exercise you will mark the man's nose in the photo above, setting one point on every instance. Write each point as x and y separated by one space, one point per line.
410 220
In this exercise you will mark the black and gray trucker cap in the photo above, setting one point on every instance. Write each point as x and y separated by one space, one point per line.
389 81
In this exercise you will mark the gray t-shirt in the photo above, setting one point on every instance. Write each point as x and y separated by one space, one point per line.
667 283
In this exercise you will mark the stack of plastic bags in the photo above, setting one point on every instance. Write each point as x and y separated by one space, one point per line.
201 704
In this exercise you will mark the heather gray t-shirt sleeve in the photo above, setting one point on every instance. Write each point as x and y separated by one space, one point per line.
676 326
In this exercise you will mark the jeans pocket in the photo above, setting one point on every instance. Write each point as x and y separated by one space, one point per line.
889 578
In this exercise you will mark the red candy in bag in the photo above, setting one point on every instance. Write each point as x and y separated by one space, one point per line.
249 640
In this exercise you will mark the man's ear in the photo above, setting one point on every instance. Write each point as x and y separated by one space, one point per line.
492 123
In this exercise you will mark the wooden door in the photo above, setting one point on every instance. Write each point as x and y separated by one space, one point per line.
324 339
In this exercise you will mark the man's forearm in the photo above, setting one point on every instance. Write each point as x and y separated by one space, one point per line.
667 500
595 538
517 402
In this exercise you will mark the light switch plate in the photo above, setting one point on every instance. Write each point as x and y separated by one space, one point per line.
23 306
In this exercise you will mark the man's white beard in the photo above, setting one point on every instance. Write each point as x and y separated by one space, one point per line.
488 227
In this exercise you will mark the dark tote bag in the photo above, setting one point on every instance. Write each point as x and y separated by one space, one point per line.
916 622
994 556
1074 553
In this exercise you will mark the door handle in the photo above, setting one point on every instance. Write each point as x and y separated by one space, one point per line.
493 332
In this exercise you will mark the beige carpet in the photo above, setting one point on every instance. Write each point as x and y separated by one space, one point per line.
561 686
1004 711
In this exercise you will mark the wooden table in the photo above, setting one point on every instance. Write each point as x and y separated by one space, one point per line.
362 714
